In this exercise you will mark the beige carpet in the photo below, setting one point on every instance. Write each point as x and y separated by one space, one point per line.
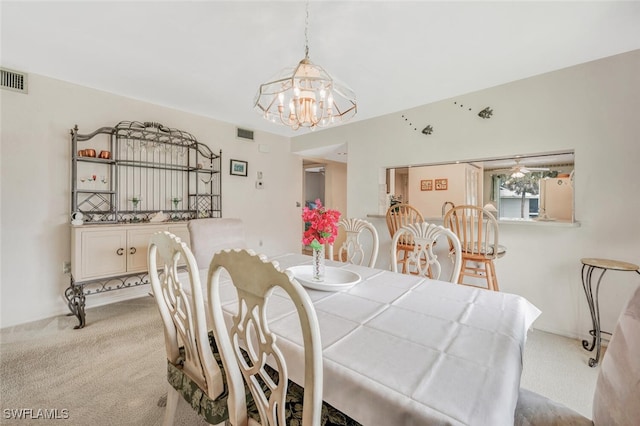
112 372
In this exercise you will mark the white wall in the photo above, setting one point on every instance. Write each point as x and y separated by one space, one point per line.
430 202
592 108
35 177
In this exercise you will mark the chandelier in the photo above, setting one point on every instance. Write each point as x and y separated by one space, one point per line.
305 96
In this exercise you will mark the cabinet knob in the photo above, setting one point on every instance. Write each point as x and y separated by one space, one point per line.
132 250
120 251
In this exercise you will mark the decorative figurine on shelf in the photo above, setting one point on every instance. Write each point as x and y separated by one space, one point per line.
175 201
135 200
77 218
159 217
321 227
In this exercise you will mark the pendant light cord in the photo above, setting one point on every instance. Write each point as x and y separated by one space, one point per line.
306 33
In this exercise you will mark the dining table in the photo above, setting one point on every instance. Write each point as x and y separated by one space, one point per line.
400 349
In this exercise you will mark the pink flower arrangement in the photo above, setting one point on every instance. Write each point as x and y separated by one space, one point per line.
323 225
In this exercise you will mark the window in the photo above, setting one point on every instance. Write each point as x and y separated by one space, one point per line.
536 187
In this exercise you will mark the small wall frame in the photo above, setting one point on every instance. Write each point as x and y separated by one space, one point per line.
238 168
426 185
442 184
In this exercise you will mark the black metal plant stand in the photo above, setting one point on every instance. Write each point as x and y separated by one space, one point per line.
588 267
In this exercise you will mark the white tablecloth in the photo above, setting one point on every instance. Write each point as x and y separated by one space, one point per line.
402 350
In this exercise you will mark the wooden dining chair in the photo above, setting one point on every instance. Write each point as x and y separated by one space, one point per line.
352 250
193 365
477 230
398 216
617 392
247 343
423 260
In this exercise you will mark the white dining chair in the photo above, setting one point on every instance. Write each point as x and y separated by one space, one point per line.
422 259
352 250
616 400
248 343
193 371
210 235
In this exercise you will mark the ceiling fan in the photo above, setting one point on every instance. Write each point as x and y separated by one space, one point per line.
519 170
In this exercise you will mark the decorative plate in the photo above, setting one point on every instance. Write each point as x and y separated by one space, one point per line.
335 279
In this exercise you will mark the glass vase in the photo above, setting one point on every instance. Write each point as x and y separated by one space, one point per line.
318 264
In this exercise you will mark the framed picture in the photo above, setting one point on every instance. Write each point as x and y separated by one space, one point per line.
442 184
426 185
238 168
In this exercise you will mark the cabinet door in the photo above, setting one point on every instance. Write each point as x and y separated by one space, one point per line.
137 246
103 254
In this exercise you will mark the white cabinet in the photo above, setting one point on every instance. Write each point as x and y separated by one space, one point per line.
111 257
105 251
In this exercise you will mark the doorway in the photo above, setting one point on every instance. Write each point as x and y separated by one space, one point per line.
327 181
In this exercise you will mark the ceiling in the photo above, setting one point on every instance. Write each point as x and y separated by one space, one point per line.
209 58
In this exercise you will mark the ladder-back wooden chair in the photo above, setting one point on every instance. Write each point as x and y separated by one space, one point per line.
398 216
352 250
423 260
477 230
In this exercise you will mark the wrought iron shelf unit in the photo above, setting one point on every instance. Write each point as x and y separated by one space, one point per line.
121 177
151 168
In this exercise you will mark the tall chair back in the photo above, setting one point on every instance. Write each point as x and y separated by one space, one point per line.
477 230
248 343
210 235
398 216
352 250
190 358
615 401
423 260
617 392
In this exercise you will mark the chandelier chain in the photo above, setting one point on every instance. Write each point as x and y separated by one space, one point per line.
306 33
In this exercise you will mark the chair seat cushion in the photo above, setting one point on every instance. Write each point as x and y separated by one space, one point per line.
484 251
216 411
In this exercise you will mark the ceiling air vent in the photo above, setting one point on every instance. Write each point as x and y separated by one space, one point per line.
13 80
244 134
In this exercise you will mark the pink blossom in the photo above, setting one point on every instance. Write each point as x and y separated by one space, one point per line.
323 225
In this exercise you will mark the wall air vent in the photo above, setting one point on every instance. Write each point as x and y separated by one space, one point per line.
244 134
13 80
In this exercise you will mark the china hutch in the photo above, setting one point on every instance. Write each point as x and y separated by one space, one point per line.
128 182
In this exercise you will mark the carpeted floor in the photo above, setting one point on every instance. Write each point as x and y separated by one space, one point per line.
112 372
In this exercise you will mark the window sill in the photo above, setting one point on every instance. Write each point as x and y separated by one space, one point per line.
560 223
